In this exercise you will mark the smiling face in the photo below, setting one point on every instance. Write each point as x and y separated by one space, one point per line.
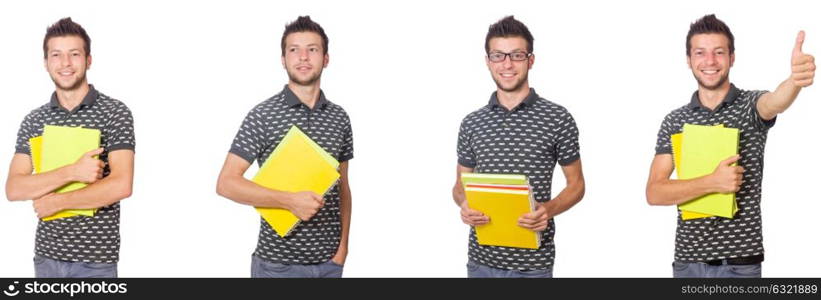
509 75
710 60
304 57
66 62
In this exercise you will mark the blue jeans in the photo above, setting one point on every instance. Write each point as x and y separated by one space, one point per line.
702 270
476 270
51 268
261 268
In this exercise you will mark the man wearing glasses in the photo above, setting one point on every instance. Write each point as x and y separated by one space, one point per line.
517 132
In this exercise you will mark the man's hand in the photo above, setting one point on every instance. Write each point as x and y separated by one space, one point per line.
87 168
535 220
803 65
340 257
727 178
472 217
46 206
305 204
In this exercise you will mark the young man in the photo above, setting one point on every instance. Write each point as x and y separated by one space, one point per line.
317 247
79 246
715 246
517 132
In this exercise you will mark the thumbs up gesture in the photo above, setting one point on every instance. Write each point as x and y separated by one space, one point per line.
803 65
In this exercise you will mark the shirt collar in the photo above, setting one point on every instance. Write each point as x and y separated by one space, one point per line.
89 99
531 98
695 103
292 100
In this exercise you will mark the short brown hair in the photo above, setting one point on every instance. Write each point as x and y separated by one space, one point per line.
66 27
509 27
305 24
710 24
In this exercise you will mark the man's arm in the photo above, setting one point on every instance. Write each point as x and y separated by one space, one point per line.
114 187
661 190
344 213
21 184
470 216
232 185
803 72
567 198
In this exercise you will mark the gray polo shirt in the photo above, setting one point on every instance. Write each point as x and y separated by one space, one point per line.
715 237
529 140
81 238
316 240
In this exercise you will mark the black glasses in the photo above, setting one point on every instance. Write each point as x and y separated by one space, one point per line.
514 56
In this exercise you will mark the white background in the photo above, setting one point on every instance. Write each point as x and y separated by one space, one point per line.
407 73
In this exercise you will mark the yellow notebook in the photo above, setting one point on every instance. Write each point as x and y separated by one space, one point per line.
60 146
703 147
297 164
468 178
675 139
36 146
503 206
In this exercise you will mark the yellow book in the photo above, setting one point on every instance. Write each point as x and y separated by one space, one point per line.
36 146
503 204
688 215
60 146
297 164
480 178
702 148
675 139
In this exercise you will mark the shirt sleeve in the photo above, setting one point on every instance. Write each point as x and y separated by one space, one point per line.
27 130
752 114
663 143
567 140
120 130
464 147
346 151
249 141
